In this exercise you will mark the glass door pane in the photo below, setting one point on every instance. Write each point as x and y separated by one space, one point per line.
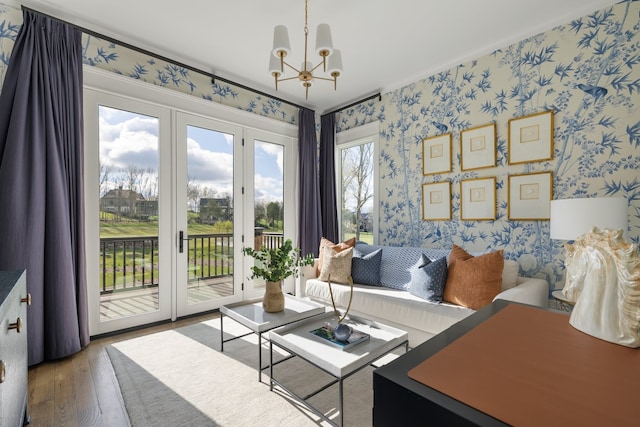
270 198
268 206
206 232
129 258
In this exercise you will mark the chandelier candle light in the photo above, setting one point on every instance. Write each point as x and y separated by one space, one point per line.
331 58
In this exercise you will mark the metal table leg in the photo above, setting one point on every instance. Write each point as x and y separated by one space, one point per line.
259 357
221 335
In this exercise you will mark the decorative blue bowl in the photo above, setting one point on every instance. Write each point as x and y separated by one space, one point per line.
342 332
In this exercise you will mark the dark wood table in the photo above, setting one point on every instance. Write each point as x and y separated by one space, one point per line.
510 364
400 401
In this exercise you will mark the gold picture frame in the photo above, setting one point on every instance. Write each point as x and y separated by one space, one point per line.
530 196
478 147
436 201
436 154
478 199
531 138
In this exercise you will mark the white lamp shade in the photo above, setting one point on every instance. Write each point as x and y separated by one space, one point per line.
281 40
274 65
571 218
335 62
323 39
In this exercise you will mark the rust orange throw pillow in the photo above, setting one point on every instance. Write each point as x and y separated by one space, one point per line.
473 281
338 247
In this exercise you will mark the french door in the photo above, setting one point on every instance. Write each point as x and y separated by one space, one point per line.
128 215
172 195
209 208
270 199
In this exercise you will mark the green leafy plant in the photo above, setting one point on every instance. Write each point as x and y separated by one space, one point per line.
277 264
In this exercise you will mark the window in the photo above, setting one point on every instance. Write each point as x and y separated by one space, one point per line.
357 177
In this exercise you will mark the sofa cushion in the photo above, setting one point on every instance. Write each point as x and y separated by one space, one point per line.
509 274
365 269
336 265
429 281
473 281
399 263
349 243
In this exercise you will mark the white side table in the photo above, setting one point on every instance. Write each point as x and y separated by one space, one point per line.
251 314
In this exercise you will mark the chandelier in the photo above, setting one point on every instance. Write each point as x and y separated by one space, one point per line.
331 58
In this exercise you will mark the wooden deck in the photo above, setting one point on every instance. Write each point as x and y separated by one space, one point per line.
131 303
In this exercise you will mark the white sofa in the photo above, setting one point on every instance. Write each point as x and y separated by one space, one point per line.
391 304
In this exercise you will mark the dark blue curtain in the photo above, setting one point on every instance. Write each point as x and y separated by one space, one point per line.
328 177
310 218
41 190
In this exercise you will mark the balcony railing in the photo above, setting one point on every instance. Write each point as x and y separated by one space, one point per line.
132 263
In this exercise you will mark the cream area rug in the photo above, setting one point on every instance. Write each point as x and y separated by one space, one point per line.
179 377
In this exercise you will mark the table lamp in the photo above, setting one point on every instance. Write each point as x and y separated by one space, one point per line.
572 218
602 269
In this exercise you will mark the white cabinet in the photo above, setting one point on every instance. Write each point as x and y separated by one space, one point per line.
13 348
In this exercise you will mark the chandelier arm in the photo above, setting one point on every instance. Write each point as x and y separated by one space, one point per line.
323 78
291 66
289 78
316 67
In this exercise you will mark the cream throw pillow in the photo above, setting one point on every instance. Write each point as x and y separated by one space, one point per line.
337 265
349 243
509 274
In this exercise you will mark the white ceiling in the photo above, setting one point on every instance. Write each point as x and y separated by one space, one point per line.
385 44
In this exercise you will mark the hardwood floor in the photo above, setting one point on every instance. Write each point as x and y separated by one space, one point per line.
82 390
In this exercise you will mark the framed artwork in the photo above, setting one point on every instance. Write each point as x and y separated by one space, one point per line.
531 138
478 147
436 154
478 199
530 196
436 201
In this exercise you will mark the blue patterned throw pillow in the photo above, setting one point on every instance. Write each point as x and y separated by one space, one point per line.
429 280
365 269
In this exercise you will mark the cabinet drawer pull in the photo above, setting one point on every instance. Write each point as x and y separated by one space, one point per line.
2 371
17 326
26 299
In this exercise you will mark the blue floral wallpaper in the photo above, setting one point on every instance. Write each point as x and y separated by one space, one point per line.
587 71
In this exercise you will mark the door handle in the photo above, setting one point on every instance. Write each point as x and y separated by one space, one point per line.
181 240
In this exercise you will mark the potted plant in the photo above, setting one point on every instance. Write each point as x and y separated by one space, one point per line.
275 265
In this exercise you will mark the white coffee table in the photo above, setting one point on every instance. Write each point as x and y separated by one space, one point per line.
251 314
297 340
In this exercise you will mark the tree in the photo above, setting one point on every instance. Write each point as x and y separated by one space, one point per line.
193 194
259 212
274 213
105 176
357 180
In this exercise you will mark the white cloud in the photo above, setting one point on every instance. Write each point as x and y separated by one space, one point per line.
274 150
268 189
208 168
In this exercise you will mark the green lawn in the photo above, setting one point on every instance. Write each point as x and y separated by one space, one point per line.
364 237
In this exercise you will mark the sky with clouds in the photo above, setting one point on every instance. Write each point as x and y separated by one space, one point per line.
131 139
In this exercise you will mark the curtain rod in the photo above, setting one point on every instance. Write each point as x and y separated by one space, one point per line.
163 58
375 95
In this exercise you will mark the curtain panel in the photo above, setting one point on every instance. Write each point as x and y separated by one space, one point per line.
41 171
310 218
328 207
